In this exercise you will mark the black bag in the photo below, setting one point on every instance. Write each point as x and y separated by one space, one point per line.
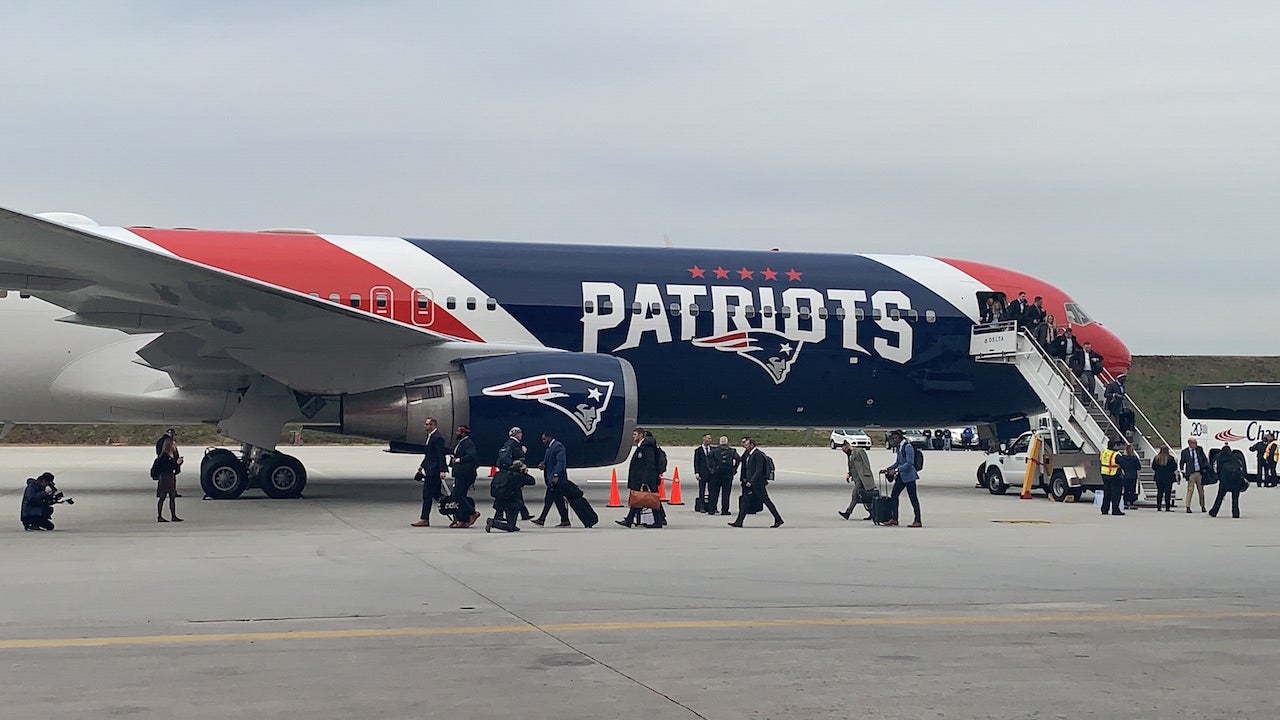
568 490
502 486
586 514
769 469
449 507
919 458
750 503
660 458
884 509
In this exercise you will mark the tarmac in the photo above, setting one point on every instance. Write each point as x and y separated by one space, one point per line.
333 607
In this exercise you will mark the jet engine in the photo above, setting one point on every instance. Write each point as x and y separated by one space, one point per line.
588 401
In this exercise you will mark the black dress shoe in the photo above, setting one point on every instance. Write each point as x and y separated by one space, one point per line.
1116 512
734 524
844 514
726 512
651 526
777 524
623 523
538 522
563 524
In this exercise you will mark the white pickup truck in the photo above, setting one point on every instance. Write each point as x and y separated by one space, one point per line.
1070 471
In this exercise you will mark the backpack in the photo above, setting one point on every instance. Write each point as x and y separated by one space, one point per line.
769 469
919 458
504 456
660 459
500 486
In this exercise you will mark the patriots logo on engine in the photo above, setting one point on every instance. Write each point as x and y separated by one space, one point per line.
771 350
579 397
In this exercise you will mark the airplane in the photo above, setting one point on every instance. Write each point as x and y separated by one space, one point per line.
369 336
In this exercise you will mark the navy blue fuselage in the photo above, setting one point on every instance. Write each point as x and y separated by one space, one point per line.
751 339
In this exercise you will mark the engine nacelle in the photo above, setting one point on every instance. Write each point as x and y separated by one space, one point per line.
587 401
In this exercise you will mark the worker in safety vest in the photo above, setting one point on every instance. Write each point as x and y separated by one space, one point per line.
1269 458
1111 482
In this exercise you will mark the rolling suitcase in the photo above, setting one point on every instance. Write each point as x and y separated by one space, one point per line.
883 507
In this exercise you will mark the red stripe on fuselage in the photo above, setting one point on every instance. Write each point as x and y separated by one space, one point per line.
300 262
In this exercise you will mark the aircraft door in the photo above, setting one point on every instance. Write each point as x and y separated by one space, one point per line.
381 301
424 307
983 297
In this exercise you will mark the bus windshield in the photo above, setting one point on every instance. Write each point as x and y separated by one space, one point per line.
1232 402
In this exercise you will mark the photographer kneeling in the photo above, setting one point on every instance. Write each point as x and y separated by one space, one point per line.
38 501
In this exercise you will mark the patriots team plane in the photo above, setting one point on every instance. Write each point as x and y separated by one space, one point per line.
369 336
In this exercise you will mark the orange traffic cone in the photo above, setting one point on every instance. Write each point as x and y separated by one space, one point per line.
662 489
675 489
614 499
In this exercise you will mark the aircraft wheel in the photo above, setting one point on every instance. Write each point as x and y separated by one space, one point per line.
222 475
1059 488
282 476
995 483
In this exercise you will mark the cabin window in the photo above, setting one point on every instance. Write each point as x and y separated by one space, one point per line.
823 313
693 310
588 307
491 303
840 313
423 302
471 303
733 311
655 309
380 301
314 295
875 314
930 316
803 312
749 311
335 297
913 316
355 300
606 306
451 302
767 311
785 311
859 314
674 309
636 308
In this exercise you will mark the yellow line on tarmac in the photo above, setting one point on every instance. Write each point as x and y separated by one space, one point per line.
410 632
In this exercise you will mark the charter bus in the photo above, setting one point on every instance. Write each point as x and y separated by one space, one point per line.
1234 413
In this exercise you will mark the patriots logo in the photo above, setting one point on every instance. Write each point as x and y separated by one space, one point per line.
771 350
579 397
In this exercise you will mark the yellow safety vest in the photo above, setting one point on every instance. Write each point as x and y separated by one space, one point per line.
1109 466
1270 453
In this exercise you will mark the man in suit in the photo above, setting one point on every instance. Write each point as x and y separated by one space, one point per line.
862 477
464 476
1085 364
1194 464
432 469
1231 479
1065 345
702 458
1017 310
904 475
755 484
725 464
555 476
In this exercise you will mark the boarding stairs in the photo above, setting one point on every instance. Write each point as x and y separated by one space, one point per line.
1074 407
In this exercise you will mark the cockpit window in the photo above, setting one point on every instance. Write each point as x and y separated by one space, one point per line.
1076 315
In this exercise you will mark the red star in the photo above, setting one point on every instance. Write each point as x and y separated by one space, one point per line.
793 275
769 274
697 272
721 273
745 274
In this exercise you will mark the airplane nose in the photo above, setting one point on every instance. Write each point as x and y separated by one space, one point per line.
1115 354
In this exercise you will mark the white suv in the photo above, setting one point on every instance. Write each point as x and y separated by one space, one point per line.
853 436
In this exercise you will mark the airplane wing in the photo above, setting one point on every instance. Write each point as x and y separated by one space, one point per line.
216 329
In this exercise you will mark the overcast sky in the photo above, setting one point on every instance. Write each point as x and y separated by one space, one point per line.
1126 152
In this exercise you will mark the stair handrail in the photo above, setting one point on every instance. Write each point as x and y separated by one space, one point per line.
1108 377
1075 384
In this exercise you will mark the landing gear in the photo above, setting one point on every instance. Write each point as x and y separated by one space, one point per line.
224 475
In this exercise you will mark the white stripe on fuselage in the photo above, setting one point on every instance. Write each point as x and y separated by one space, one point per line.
947 281
421 270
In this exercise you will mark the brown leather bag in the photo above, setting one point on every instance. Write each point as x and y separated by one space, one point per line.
644 498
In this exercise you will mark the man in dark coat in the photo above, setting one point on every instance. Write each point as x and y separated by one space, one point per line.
37 503
1064 346
464 466
556 477
1231 479
755 484
1086 363
1130 465
1017 310
642 474
702 457
723 467
432 469
507 487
